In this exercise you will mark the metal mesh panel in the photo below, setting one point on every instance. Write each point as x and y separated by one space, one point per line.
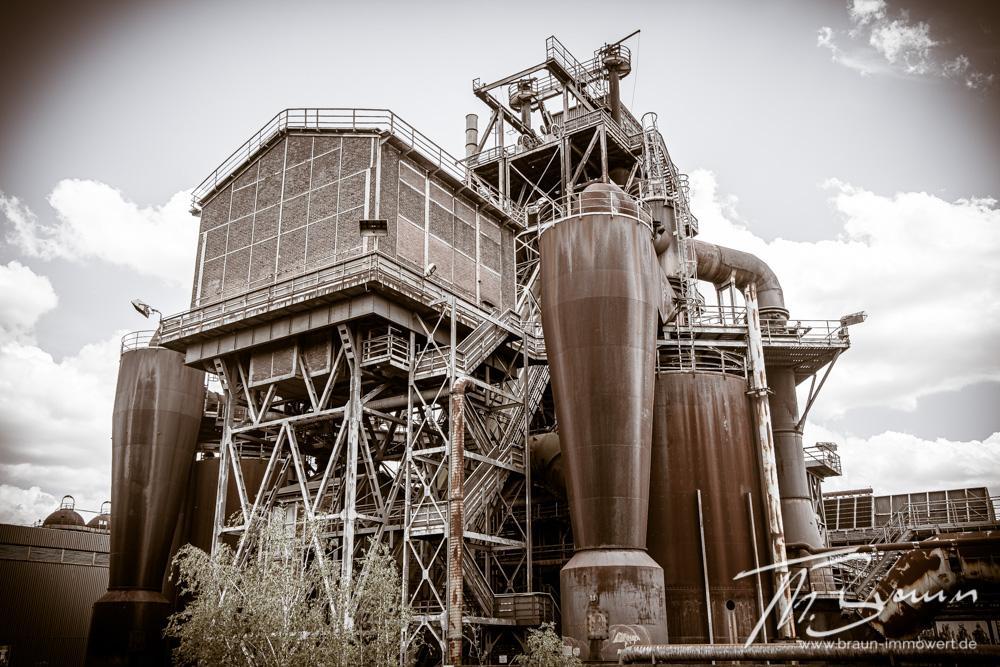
273 161
348 234
299 150
441 223
237 269
465 238
265 224
352 192
268 190
322 239
411 204
262 258
489 287
293 213
211 283
297 180
323 202
240 233
325 144
215 242
441 254
411 243
248 177
243 200
326 169
489 253
216 212
317 350
291 252
357 155
465 275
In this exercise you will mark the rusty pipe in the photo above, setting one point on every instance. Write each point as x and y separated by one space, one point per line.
987 538
456 520
784 652
718 265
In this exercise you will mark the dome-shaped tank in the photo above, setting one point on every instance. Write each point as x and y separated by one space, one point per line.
64 517
103 520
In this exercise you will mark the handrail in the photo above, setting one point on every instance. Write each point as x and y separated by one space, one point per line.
382 121
135 340
553 211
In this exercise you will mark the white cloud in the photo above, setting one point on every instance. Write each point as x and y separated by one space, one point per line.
905 44
924 268
24 297
876 43
863 12
25 506
894 462
96 221
55 424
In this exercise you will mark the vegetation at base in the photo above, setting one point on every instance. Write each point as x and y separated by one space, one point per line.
283 605
544 648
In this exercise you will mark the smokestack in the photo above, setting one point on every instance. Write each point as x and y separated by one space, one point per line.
471 134
618 61
158 407
599 311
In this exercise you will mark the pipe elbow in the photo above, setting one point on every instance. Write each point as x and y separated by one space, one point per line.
718 265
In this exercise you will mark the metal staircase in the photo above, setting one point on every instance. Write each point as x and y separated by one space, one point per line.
896 529
484 484
663 181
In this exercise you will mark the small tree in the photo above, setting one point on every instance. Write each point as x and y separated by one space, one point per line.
285 606
544 648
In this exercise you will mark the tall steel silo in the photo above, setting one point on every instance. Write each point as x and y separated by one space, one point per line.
600 293
704 468
158 408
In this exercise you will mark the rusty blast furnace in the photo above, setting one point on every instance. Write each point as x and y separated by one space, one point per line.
520 370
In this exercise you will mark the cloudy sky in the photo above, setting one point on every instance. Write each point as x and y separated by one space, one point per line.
853 145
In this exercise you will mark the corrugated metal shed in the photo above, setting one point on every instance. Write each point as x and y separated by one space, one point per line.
49 580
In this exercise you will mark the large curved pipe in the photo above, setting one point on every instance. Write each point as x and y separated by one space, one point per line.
718 265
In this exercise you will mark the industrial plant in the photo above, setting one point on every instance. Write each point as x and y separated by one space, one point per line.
522 371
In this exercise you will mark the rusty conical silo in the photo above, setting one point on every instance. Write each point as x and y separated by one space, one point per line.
158 406
599 311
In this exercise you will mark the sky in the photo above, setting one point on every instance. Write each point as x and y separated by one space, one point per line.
852 144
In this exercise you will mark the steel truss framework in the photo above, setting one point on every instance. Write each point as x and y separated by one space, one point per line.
413 438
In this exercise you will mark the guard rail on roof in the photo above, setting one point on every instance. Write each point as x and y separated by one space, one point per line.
355 120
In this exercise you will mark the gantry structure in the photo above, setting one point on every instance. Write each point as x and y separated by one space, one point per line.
370 307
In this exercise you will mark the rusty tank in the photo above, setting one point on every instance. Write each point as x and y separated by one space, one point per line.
600 297
703 442
158 408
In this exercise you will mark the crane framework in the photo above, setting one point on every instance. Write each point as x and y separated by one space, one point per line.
397 404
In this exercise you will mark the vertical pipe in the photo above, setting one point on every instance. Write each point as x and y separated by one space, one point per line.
223 485
704 570
407 463
527 463
615 94
351 473
471 134
762 414
756 564
456 520
456 499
